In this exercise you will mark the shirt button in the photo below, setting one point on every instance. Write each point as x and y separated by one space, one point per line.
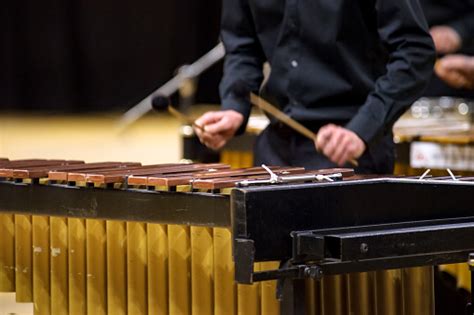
294 63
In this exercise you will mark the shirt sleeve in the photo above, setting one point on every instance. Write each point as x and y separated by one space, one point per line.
465 27
404 31
244 56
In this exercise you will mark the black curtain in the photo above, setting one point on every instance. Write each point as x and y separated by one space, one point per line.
83 55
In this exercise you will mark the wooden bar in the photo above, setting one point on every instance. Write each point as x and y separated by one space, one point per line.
23 163
7 170
61 174
166 178
169 180
115 172
43 171
82 177
120 176
250 172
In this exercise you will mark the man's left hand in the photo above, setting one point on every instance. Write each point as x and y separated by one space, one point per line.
446 39
339 144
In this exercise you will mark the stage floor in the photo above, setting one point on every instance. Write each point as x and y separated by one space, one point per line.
154 139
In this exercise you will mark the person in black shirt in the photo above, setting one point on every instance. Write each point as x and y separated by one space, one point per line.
452 28
451 24
346 69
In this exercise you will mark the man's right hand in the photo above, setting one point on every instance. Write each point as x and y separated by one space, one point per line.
457 71
219 127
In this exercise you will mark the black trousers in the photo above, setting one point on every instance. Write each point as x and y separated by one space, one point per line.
280 145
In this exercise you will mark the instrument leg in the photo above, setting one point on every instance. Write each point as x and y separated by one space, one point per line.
293 297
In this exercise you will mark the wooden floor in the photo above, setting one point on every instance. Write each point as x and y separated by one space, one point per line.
152 140
9 307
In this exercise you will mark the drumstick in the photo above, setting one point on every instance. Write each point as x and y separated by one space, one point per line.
287 120
160 102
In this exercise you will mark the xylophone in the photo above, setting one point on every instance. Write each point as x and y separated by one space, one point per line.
319 224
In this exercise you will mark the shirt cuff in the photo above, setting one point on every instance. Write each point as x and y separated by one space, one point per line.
365 126
241 107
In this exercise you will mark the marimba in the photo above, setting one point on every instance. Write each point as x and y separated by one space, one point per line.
172 256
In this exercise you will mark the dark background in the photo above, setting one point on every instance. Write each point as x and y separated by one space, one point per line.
88 55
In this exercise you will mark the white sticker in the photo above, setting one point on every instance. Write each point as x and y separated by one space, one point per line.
442 156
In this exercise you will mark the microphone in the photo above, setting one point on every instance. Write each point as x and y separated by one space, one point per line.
161 103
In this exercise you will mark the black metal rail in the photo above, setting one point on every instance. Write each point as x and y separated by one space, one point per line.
200 209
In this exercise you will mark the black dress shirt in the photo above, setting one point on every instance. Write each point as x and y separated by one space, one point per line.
358 61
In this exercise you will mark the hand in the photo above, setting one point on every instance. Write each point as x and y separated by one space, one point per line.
218 127
457 71
446 39
340 145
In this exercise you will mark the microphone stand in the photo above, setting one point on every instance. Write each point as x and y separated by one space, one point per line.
186 73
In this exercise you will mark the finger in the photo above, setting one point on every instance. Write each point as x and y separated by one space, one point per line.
219 126
453 62
217 143
210 138
348 154
341 148
323 136
198 131
220 144
209 118
335 140
454 79
346 157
